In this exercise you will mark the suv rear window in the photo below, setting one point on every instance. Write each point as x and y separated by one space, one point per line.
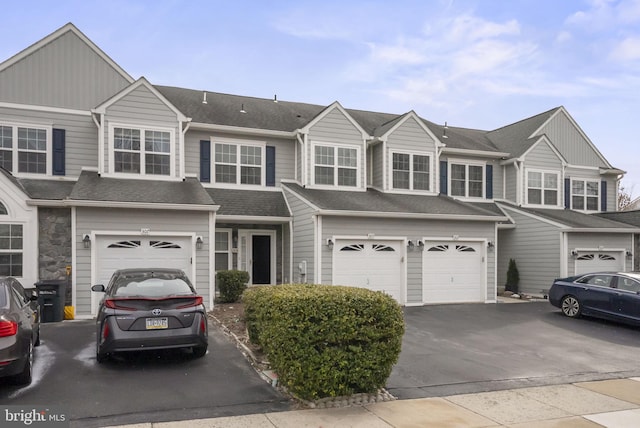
151 286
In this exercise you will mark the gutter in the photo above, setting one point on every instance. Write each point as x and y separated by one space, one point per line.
119 204
242 130
406 215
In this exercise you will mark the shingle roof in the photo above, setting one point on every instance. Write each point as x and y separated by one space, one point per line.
92 187
514 138
574 219
249 202
392 203
628 217
47 189
286 116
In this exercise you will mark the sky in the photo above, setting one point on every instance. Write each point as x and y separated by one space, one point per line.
477 64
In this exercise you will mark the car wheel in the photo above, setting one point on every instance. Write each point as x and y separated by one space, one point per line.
24 377
571 306
101 357
199 351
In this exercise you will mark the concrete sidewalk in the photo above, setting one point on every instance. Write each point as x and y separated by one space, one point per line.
609 403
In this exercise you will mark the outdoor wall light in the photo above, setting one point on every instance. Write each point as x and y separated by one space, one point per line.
199 242
86 240
574 253
411 245
629 254
490 245
420 243
330 244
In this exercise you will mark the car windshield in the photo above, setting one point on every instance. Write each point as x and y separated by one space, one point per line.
151 287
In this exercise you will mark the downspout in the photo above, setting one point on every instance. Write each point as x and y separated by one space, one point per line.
183 134
516 164
100 141
301 154
290 252
317 276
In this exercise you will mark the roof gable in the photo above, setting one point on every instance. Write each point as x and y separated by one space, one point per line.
66 66
335 106
140 83
544 140
389 128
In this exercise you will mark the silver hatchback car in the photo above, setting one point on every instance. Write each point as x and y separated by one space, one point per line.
150 309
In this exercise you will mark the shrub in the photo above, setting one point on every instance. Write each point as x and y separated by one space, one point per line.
324 340
513 277
231 284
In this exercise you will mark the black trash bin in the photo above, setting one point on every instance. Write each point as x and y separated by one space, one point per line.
51 297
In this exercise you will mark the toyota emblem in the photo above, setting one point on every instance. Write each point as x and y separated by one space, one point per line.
156 312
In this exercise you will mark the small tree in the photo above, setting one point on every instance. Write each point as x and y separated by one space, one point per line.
231 284
513 277
624 198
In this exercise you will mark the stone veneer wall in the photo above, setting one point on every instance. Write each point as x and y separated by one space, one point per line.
54 245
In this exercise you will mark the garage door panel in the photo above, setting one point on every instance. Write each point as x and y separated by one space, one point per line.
599 261
375 265
453 272
121 252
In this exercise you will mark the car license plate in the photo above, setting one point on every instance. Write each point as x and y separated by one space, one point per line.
157 323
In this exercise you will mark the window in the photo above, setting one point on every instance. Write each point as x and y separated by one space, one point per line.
599 280
467 180
628 284
410 171
542 188
239 164
131 156
585 195
336 166
3 209
223 250
11 250
25 148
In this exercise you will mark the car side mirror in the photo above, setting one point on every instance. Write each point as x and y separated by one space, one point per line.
98 287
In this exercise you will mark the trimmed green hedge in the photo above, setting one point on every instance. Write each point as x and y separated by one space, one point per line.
231 284
325 340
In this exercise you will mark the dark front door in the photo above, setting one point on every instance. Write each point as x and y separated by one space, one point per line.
261 255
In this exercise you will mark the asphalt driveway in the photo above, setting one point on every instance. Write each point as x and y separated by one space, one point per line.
453 349
140 387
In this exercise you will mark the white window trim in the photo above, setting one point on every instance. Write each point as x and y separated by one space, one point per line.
584 196
467 163
431 157
14 149
335 147
543 172
239 143
229 249
142 129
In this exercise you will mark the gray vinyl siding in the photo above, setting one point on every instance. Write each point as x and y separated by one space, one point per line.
285 152
65 73
409 229
335 127
377 166
570 142
542 157
142 108
612 194
535 246
121 220
303 237
595 241
81 134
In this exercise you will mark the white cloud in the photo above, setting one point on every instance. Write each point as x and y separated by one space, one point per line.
627 50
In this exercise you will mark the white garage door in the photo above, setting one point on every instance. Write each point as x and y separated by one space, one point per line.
453 272
376 265
123 252
599 261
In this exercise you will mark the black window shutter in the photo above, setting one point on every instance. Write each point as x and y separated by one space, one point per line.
603 195
58 167
443 177
205 161
271 166
489 185
567 193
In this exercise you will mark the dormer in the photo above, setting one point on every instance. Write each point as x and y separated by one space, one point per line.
333 151
403 156
140 135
